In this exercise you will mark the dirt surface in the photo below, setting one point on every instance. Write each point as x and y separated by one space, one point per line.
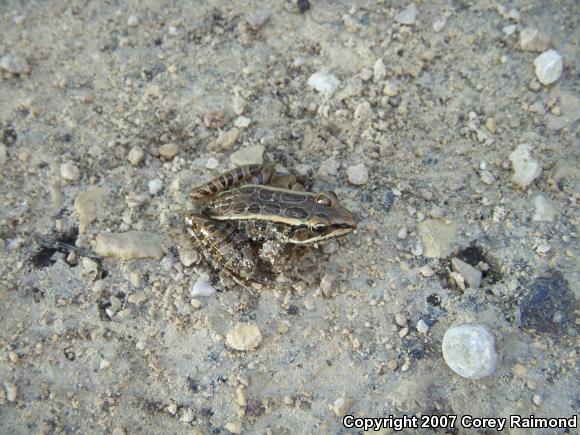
104 127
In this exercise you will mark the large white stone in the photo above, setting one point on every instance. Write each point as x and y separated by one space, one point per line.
324 82
549 67
526 168
469 350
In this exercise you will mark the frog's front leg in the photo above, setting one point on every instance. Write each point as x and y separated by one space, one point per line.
248 174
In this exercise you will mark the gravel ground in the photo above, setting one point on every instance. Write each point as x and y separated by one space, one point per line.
441 125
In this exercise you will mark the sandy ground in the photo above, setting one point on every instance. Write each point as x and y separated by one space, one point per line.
120 346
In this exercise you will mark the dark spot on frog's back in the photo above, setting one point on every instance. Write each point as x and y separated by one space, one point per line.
266 195
272 209
239 207
296 213
247 190
293 198
254 208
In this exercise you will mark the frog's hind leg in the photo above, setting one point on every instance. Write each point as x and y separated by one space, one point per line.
248 174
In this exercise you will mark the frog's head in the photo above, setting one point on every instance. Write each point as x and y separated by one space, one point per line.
326 220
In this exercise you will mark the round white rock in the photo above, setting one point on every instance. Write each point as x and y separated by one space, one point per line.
549 67
469 350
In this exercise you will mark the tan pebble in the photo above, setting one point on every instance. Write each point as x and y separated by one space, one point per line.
234 427
138 298
70 172
491 125
14 357
239 105
168 151
195 303
241 396
401 319
226 139
537 399
135 156
214 120
244 337
393 365
426 271
341 406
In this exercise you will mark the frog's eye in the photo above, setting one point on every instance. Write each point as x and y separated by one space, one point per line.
319 228
326 198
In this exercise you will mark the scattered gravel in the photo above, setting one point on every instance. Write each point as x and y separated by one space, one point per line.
244 337
469 350
526 168
549 67
130 245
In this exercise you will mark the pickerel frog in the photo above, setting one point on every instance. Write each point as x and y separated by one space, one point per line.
246 226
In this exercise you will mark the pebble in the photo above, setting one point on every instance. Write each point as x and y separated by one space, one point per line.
544 210
257 19
407 16
422 327
90 205
437 236
212 163
226 139
390 89
119 430
439 24
202 288
104 364
234 427
469 350
486 177
244 336
510 30
168 151
253 155
526 168
328 284
491 125
14 64
379 70
11 391
242 122
214 120
70 172
3 154
239 105
341 406
426 271
155 186
135 156
324 82
358 174
549 67
402 234
133 21
195 303
401 320
138 298
471 276
130 245
328 170
537 399
533 40
188 257
14 357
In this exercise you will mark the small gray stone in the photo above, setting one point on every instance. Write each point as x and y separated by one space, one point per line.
328 170
526 168
422 327
470 274
253 155
401 320
328 284
202 288
133 21
407 16
130 245
341 406
510 30
90 205
70 172
549 67
358 174
469 350
438 237
11 391
544 210
226 139
14 64
533 40
155 186
324 82
257 19
380 71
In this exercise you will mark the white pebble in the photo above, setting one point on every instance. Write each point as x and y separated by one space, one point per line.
358 174
422 327
380 71
471 276
407 16
212 163
202 288
11 391
133 21
253 155
155 186
526 168
549 67
70 171
324 82
401 319
402 234
510 30
469 350
438 25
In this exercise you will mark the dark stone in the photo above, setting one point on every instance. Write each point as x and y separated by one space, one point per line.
9 136
303 5
548 304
